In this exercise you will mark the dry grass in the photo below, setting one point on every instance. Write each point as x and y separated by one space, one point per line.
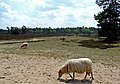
69 48
39 63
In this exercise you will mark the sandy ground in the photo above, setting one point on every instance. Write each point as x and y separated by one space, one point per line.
43 70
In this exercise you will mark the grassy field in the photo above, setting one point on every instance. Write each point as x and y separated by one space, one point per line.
70 47
40 62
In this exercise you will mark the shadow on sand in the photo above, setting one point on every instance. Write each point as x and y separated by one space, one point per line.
76 81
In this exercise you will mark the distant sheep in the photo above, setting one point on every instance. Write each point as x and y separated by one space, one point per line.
24 45
80 65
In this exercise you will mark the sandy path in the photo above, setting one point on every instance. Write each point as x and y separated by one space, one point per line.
43 70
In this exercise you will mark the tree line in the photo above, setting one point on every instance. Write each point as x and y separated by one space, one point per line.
108 24
49 30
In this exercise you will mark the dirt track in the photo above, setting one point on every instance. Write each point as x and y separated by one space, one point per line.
43 70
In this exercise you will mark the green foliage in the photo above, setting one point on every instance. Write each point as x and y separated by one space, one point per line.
8 30
109 19
76 31
52 31
14 30
86 30
24 29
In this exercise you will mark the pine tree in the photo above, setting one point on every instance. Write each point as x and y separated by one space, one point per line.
109 19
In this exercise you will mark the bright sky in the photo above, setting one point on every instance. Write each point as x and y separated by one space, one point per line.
48 13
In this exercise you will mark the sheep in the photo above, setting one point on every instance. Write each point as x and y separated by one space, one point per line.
80 65
24 45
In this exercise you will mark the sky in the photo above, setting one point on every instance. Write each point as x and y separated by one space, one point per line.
48 13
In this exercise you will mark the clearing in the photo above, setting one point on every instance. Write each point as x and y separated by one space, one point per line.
40 62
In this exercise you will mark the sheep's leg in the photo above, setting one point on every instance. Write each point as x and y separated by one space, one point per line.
85 75
73 75
92 76
70 75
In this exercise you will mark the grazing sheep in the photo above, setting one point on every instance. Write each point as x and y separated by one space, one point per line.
24 45
80 65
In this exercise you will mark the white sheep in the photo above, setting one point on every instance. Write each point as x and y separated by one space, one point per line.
24 45
80 65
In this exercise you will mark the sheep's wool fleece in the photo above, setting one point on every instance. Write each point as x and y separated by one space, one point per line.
79 65
25 43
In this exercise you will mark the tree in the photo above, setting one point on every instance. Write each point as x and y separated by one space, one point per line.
86 31
109 19
14 30
76 31
8 30
24 29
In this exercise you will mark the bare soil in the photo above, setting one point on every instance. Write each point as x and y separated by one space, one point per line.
43 70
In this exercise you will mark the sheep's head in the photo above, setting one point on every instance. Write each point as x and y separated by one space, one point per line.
60 73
